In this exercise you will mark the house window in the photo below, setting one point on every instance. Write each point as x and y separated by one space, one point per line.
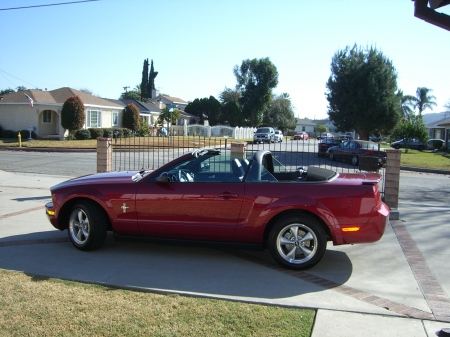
94 119
115 118
303 128
47 116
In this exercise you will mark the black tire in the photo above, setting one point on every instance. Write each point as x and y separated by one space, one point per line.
355 160
420 148
297 242
332 156
87 226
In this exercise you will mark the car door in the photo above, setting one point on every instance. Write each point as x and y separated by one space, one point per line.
201 210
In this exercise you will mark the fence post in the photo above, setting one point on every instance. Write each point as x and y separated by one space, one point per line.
104 155
392 181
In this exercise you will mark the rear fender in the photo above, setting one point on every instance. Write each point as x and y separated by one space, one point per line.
301 204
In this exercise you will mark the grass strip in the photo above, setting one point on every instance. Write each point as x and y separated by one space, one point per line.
36 306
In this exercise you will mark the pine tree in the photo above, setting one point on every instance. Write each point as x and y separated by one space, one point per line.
151 80
144 83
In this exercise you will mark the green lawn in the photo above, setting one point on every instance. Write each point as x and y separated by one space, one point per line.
35 306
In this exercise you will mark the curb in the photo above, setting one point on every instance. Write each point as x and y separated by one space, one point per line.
44 149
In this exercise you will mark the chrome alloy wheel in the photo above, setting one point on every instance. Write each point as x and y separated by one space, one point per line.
297 243
79 226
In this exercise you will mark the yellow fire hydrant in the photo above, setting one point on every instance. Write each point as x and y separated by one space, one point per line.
20 139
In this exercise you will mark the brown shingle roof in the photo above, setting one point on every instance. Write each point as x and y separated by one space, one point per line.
57 96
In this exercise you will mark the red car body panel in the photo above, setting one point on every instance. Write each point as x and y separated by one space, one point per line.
234 212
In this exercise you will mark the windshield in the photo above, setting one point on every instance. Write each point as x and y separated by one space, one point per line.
263 130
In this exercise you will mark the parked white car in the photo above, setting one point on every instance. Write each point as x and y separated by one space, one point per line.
278 136
325 135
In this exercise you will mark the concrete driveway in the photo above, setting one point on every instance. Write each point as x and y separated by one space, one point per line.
405 274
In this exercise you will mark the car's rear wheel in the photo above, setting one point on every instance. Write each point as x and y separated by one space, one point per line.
297 242
87 226
355 160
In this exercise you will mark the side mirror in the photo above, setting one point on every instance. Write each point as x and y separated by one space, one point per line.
163 178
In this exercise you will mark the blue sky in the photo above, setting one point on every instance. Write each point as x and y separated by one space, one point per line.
194 44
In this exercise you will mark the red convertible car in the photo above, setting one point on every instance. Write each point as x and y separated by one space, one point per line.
209 195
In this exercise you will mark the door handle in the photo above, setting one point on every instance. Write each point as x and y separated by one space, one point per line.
228 195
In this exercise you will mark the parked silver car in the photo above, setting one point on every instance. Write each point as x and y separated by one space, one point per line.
412 144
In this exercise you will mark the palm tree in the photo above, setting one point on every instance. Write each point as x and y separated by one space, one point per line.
424 99
408 104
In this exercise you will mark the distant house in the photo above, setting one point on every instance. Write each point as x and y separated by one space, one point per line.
41 111
163 101
148 112
306 125
309 125
440 130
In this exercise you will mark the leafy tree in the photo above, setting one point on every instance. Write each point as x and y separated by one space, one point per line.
230 95
21 88
411 128
144 82
167 116
424 100
362 91
280 113
131 94
72 114
447 106
231 112
130 119
255 81
232 115
6 91
206 108
151 80
321 128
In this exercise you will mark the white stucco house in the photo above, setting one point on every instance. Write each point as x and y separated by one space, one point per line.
41 111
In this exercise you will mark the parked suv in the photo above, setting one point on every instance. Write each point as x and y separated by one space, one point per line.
264 135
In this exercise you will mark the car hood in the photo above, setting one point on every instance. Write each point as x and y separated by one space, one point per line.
98 178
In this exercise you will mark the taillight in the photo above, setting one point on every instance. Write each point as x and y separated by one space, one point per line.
369 153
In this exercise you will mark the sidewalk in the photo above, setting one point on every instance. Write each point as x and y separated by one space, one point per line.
360 290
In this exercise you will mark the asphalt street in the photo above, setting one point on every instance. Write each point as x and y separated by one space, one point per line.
398 286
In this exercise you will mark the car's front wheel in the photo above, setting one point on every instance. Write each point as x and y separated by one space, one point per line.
87 226
297 242
332 156
355 160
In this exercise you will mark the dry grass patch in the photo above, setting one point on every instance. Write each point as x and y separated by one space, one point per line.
33 306
131 142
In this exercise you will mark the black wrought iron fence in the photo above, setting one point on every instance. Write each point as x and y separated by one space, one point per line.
137 153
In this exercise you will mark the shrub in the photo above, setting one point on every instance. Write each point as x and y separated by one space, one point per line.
96 132
9 134
25 134
1 130
72 114
143 130
130 117
83 134
438 144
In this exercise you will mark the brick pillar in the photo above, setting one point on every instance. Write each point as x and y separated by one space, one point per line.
238 150
104 155
392 181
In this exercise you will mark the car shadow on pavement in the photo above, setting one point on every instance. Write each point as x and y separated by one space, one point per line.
164 268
